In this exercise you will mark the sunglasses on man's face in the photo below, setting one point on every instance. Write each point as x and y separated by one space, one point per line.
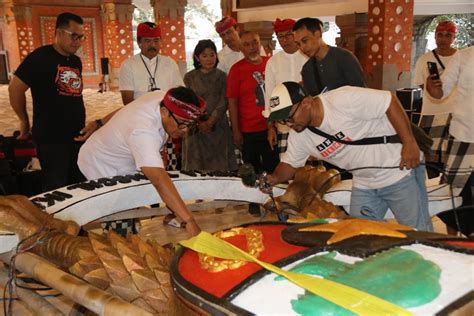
293 111
75 36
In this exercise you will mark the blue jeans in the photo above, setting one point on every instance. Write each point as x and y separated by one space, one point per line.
407 199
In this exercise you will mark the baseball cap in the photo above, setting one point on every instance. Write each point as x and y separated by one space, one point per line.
283 97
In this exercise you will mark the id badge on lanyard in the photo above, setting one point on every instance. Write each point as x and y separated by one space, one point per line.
151 80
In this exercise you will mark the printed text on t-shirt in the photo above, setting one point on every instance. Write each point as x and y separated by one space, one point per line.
328 147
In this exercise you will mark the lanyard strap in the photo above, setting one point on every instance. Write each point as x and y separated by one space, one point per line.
152 78
438 59
392 139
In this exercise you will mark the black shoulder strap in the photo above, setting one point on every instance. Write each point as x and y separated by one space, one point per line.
438 59
363 141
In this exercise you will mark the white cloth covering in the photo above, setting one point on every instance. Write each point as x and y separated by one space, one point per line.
135 77
131 139
351 113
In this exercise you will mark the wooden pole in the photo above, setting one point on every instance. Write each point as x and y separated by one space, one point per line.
77 290
33 300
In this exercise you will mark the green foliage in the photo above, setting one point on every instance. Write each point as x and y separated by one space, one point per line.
141 16
465 26
194 14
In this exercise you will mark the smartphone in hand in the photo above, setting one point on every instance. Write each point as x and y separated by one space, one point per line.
433 70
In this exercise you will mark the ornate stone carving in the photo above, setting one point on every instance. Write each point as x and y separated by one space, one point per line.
121 12
169 8
22 13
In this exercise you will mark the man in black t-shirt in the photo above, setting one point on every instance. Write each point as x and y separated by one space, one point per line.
54 75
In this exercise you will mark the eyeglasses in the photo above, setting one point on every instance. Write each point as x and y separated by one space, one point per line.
285 36
75 36
293 111
191 125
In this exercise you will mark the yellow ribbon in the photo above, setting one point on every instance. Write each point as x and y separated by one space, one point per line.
347 297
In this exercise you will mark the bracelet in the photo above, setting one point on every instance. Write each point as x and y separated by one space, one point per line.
99 123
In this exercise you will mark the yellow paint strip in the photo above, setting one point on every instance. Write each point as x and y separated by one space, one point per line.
347 297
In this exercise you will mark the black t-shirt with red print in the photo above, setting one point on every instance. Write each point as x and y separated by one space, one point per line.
56 87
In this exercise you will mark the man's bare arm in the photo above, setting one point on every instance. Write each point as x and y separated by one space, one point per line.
410 151
127 96
92 126
16 91
282 173
168 193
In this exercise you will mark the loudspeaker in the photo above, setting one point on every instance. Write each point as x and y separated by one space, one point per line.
410 98
3 67
104 63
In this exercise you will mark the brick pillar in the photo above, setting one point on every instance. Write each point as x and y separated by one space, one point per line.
265 30
10 42
118 37
226 7
353 34
24 33
389 45
169 15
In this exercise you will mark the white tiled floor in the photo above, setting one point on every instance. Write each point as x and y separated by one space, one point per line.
97 106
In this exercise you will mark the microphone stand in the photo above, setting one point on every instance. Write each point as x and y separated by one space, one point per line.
267 189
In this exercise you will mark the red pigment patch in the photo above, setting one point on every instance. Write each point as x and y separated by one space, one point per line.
219 283
463 244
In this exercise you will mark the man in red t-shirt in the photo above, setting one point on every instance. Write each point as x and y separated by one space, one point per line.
246 94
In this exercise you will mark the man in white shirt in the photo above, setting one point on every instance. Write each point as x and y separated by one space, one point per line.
283 66
131 140
458 75
228 30
382 177
435 113
148 70
460 150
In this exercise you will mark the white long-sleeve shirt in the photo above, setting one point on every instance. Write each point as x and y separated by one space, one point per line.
282 67
459 75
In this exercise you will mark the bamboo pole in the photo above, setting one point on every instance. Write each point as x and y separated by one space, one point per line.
33 300
77 290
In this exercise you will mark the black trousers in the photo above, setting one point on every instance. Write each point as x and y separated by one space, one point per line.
59 165
257 152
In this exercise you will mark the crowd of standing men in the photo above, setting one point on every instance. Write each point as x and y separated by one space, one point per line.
266 111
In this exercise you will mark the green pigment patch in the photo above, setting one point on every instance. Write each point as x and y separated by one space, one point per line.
317 221
399 276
